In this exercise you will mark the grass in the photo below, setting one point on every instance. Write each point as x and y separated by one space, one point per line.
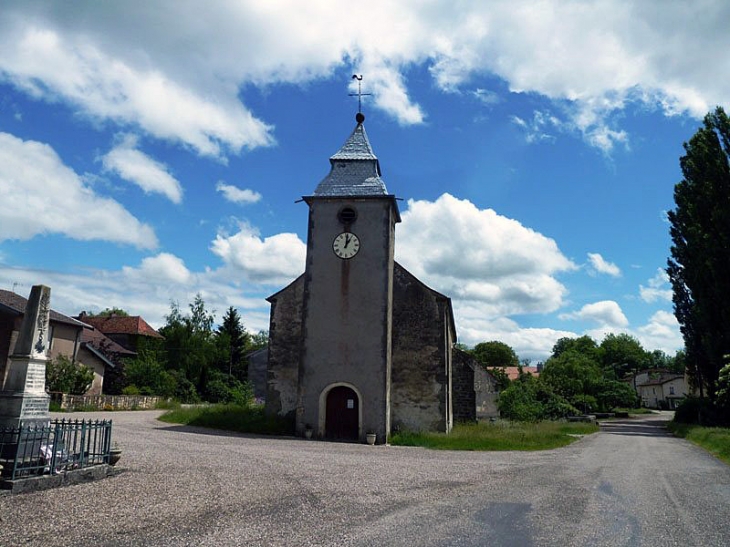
501 435
716 440
242 419
634 410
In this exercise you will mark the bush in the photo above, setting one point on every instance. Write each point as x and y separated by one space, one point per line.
694 410
65 376
224 388
530 400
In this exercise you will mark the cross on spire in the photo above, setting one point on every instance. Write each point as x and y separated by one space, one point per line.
359 93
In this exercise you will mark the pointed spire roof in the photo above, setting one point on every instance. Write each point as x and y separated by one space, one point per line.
355 169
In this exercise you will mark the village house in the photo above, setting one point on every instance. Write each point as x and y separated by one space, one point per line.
357 344
65 332
126 330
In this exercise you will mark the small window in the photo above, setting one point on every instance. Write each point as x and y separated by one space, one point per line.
671 390
347 215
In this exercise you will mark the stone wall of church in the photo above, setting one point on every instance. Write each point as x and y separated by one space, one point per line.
475 390
420 365
285 337
463 387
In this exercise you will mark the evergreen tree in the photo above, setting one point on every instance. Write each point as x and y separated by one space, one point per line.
699 266
235 340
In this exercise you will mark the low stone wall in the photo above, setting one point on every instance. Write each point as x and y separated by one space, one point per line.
106 402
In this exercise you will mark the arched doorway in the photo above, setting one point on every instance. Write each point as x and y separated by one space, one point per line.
342 418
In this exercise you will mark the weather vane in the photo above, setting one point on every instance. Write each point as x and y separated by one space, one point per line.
359 93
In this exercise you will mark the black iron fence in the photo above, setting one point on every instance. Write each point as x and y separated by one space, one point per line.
60 446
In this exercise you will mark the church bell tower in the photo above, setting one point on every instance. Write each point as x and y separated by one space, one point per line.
347 309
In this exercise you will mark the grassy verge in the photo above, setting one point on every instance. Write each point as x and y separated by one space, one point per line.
243 419
716 440
502 435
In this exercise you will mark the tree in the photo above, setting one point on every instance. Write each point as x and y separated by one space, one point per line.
585 345
65 376
622 354
495 354
234 340
700 262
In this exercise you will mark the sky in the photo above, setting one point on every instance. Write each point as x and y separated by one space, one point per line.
152 151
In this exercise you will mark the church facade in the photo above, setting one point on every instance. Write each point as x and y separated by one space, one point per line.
357 344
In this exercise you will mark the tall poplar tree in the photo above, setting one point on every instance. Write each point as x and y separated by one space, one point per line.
699 266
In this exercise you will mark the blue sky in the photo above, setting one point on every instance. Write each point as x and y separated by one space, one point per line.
152 151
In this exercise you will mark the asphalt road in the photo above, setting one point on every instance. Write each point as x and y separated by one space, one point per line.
629 485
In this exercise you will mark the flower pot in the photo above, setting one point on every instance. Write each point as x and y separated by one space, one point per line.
371 437
114 455
308 433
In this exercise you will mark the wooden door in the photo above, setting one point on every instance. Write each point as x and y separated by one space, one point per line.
343 414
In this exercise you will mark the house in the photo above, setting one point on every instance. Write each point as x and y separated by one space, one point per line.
100 354
65 332
127 331
357 344
663 390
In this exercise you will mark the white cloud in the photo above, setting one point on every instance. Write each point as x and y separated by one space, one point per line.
478 255
536 130
606 313
661 332
164 267
41 195
175 83
274 260
658 289
237 195
601 266
138 168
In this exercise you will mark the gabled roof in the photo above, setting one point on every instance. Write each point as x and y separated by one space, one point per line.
15 304
117 324
97 339
355 170
662 379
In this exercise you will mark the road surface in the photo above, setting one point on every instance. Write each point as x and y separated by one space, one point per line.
632 484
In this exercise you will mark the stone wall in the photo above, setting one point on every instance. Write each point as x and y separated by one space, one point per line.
420 370
285 343
475 390
106 402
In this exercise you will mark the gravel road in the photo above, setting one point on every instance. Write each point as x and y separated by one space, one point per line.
629 485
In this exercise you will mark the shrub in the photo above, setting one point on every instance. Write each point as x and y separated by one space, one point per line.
694 410
65 376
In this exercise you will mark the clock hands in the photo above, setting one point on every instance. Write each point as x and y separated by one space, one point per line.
347 240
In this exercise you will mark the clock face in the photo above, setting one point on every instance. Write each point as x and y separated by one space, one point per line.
346 245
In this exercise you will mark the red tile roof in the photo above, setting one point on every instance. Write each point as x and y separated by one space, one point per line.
116 324
514 372
97 339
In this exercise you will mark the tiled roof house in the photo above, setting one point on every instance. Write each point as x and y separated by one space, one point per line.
124 330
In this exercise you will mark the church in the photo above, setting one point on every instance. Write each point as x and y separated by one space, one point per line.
357 344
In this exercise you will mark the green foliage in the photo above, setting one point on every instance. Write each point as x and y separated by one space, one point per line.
585 345
622 354
698 410
65 376
700 262
495 354
147 374
231 417
224 388
723 388
234 341
130 390
531 400
502 435
259 340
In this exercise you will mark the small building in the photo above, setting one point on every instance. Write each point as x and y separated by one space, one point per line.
125 330
102 355
65 332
